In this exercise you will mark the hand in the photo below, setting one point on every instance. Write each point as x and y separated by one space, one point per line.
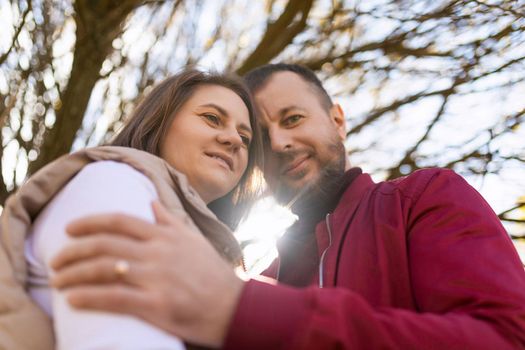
176 280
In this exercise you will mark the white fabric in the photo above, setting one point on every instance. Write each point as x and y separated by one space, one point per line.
101 187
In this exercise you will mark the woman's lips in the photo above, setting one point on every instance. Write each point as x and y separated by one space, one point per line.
223 159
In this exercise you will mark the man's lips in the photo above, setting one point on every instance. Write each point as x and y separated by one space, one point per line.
226 159
291 168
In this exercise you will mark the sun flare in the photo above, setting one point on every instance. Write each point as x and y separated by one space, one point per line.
259 233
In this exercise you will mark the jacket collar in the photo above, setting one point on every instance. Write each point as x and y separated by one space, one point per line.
301 244
352 194
339 222
316 208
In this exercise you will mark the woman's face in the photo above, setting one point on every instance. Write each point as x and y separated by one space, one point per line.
208 140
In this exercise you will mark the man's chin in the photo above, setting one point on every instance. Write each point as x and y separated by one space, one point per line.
286 194
312 189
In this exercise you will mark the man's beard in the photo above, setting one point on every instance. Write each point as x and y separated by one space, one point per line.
314 196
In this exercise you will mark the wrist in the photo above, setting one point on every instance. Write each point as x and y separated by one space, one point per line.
226 309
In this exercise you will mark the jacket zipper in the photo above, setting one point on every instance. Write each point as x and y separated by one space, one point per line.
321 261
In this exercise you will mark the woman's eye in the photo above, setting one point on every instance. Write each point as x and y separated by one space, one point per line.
291 120
212 118
245 140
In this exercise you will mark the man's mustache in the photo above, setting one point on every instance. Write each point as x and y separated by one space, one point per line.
285 157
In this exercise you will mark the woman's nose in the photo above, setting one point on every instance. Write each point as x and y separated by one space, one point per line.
230 137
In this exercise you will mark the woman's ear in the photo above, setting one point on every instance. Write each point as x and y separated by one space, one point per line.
338 117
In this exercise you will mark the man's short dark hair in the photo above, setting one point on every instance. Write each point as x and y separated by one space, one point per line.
258 77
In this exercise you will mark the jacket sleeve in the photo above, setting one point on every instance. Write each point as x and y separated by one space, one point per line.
467 280
100 187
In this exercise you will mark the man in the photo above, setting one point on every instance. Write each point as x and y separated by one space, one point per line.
421 262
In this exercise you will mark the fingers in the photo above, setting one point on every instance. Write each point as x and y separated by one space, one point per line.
97 245
113 298
115 223
101 270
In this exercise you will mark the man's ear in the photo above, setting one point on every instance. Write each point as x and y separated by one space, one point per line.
338 117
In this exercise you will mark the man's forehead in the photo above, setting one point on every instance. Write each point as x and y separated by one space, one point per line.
270 111
282 92
281 82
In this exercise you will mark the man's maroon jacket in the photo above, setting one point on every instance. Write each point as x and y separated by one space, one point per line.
421 262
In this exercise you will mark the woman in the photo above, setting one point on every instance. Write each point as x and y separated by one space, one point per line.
202 126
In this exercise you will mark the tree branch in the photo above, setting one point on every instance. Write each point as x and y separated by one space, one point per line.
395 172
98 24
279 34
394 106
17 33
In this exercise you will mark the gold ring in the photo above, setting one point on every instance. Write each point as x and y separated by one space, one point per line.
121 267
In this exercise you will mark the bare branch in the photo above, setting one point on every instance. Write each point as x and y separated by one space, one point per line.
98 24
279 34
395 105
408 159
518 221
501 7
17 33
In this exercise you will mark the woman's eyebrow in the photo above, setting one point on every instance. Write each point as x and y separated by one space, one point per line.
223 112
216 107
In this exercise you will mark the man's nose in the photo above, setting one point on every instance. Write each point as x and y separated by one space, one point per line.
279 140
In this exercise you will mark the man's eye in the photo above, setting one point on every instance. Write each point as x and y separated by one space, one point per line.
293 119
212 118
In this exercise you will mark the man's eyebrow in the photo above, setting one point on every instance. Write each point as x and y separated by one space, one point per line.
223 112
285 110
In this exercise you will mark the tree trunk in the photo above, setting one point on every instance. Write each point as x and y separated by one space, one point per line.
98 24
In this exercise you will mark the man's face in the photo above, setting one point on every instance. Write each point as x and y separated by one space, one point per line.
305 141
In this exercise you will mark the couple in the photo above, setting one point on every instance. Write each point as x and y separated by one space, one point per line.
416 263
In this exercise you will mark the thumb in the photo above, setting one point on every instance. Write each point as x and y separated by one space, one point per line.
162 215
